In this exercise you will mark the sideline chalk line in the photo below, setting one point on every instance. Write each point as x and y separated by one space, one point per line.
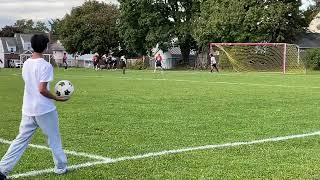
223 82
168 152
74 153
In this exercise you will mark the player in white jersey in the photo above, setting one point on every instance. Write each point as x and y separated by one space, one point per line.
213 63
38 111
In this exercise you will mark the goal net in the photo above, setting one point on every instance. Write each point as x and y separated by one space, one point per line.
258 57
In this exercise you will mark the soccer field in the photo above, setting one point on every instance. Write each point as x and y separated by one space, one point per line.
176 125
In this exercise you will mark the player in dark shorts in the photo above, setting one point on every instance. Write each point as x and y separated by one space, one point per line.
114 62
213 63
64 59
123 64
158 63
95 62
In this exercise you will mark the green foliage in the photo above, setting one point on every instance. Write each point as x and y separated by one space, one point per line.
54 28
310 14
248 21
9 31
91 27
29 26
24 26
138 25
312 59
145 23
139 65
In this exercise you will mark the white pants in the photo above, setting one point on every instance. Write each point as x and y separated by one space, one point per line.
49 124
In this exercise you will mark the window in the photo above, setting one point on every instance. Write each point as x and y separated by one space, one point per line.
27 46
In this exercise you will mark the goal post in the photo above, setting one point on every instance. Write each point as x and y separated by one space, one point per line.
258 57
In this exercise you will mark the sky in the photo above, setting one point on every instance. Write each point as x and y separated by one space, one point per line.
38 10
44 10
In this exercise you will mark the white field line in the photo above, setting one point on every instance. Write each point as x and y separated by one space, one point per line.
223 82
73 153
169 152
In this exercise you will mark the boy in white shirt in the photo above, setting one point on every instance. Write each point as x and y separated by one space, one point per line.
38 110
213 63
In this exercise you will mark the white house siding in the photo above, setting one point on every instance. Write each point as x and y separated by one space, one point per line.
58 56
1 55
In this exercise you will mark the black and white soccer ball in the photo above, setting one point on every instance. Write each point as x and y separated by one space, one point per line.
64 88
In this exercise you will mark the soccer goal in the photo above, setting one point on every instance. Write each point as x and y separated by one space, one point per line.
258 57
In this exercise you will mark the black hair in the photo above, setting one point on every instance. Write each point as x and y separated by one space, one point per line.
39 42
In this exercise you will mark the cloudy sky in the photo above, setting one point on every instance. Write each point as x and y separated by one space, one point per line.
11 10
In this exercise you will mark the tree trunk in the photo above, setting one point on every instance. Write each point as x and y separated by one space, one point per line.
185 52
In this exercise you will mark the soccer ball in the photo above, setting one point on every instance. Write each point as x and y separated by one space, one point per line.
64 88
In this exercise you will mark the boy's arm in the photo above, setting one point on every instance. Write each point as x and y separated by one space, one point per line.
46 93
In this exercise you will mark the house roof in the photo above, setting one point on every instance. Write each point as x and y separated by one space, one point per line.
26 37
175 51
57 47
17 42
11 41
308 40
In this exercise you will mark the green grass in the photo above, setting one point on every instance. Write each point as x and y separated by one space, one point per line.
117 115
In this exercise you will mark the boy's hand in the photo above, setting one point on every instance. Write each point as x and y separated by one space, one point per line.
62 99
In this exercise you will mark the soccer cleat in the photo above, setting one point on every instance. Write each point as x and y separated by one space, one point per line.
3 177
60 171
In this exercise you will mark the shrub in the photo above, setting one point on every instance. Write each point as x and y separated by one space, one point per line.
312 59
139 65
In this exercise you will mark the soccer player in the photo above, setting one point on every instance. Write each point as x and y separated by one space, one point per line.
38 110
213 63
114 62
123 64
64 59
158 63
95 62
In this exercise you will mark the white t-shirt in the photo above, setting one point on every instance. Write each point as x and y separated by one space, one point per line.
34 72
213 60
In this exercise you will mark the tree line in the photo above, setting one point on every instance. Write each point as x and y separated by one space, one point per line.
137 26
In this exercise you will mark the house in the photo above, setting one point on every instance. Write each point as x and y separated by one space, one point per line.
57 52
82 61
171 58
18 48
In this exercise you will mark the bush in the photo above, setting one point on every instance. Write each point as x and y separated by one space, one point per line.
312 59
139 65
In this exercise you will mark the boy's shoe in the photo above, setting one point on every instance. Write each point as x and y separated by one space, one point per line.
3 177
60 171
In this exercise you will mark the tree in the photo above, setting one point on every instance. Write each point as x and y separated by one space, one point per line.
248 21
311 12
136 20
91 27
54 28
25 24
29 26
40 27
182 14
145 23
9 31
